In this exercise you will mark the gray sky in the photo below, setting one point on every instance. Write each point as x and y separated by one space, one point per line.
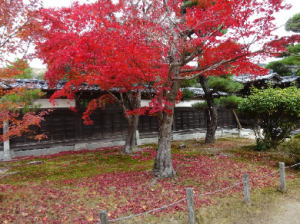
281 18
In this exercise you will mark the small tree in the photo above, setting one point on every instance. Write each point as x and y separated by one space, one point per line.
276 111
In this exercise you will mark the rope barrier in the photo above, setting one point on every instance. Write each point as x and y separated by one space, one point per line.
200 195
287 167
154 210
264 176
223 189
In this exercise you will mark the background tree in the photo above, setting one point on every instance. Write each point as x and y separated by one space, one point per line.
293 23
17 23
17 26
291 58
19 69
213 85
275 110
18 108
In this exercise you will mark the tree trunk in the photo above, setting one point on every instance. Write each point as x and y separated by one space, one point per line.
130 143
212 113
163 166
134 100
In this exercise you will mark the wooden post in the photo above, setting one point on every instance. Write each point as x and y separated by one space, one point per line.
103 217
222 132
246 187
237 119
6 146
190 205
240 133
282 176
138 140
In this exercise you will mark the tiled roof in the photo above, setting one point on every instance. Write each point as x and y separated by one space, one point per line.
292 78
41 84
252 78
200 92
29 83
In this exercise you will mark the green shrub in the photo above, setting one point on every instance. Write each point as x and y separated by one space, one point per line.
292 147
260 145
276 111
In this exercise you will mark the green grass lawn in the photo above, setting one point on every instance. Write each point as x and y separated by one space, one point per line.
72 187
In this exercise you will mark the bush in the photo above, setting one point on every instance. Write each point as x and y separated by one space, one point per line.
292 147
276 111
260 145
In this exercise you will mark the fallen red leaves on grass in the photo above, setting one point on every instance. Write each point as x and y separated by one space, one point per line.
128 192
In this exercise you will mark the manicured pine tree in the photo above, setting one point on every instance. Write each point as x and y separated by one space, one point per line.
213 85
291 58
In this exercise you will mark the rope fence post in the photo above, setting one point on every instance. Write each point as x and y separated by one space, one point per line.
190 205
246 187
282 176
103 217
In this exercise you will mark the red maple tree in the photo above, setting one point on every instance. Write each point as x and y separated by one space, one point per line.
104 52
161 37
17 26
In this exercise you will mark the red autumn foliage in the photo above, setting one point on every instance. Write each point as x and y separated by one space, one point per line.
18 25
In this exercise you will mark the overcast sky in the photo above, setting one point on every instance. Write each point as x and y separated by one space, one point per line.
281 18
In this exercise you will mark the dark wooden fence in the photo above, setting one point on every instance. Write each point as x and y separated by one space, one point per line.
65 126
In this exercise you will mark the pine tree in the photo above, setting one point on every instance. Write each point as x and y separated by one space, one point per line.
215 84
291 60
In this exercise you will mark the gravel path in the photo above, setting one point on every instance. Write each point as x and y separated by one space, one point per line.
288 212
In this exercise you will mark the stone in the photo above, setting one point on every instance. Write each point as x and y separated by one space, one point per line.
182 146
35 162
4 170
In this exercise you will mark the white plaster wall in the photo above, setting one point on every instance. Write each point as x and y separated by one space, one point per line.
62 103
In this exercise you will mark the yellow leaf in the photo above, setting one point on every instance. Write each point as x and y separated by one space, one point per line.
90 219
24 214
